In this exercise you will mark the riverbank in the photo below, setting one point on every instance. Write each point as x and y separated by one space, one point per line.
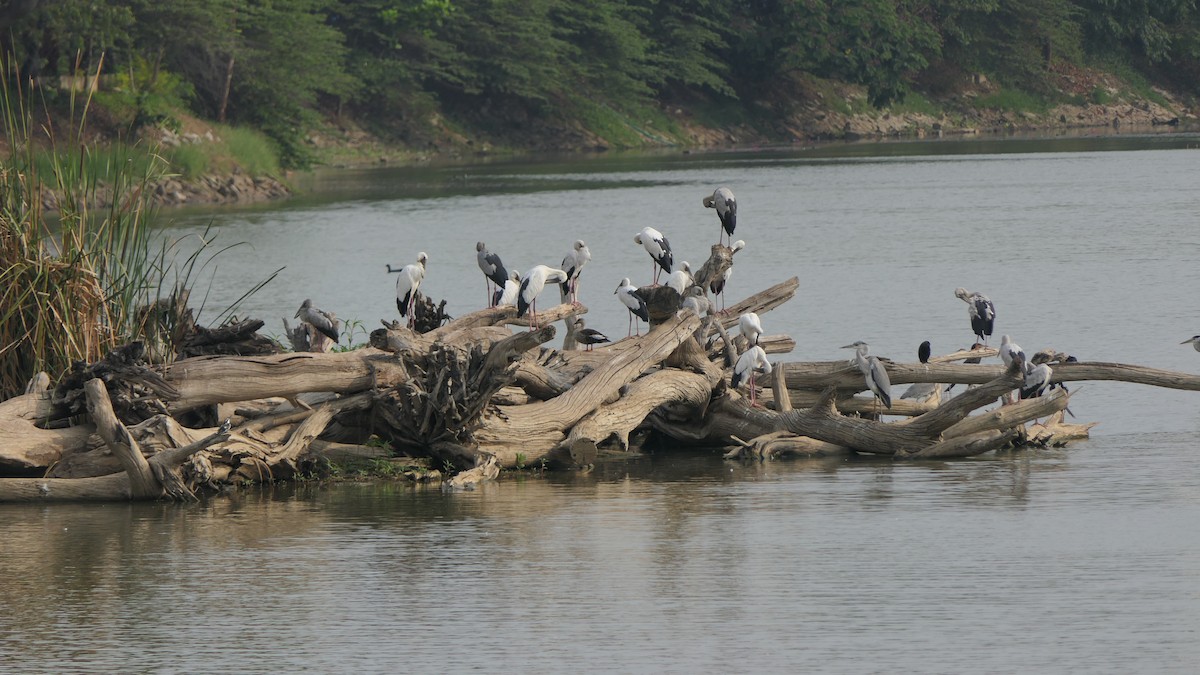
816 111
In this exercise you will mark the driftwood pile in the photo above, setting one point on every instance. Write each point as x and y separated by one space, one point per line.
474 394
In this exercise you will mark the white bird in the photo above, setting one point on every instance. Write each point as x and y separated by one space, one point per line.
573 264
492 268
659 249
681 278
588 336
1008 350
873 372
717 286
410 280
512 287
532 285
1037 378
753 360
318 319
751 327
981 311
627 293
924 392
1194 341
723 201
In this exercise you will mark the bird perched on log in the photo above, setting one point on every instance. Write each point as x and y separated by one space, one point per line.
493 270
873 372
981 311
681 278
695 301
751 327
573 264
974 360
627 293
1194 341
924 392
723 201
588 336
531 287
512 287
659 249
1037 377
410 280
319 320
1008 350
753 360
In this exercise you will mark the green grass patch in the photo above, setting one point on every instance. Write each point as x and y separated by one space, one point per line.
1012 100
916 104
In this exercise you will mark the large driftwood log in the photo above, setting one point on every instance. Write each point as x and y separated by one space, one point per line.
210 379
526 434
26 448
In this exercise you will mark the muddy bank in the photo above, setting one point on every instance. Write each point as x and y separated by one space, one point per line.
237 188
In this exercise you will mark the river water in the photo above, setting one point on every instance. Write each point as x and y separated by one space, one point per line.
1078 559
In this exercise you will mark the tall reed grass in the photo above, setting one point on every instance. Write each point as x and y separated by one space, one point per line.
79 271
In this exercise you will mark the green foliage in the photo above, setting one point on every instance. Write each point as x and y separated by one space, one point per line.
504 65
1012 100
915 103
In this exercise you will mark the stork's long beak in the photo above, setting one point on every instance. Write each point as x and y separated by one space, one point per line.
297 314
1188 341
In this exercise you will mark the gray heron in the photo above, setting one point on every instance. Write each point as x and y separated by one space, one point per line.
627 293
321 320
981 311
492 268
753 360
751 327
573 264
726 206
588 336
924 392
873 372
1194 341
659 249
531 287
410 280
681 278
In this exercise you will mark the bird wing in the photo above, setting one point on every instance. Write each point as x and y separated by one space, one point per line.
496 271
522 302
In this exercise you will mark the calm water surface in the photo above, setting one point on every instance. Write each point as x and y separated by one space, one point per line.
1082 559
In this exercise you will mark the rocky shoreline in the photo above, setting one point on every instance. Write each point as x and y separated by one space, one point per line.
816 121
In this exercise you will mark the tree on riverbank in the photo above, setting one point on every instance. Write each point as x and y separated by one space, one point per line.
553 72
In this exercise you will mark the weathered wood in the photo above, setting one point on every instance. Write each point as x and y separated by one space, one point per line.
779 391
617 419
761 302
532 431
207 380
783 443
142 483
24 447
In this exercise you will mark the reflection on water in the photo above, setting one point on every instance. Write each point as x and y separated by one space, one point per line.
1081 560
